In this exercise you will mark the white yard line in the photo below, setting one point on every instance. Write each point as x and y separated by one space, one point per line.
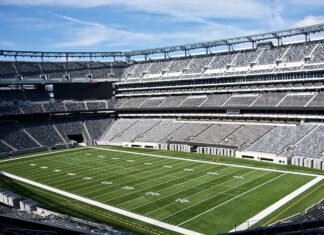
255 219
217 193
238 196
168 188
104 206
208 162
153 179
154 185
116 168
40 154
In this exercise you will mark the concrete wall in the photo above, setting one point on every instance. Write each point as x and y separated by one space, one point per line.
107 143
141 145
217 151
26 151
180 147
316 163
266 157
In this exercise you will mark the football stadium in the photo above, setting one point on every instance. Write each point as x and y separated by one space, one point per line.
201 138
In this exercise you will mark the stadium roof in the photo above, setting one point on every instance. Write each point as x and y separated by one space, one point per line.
165 50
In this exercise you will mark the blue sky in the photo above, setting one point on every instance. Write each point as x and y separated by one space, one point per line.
114 25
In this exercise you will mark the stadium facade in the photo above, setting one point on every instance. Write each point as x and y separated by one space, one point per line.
263 103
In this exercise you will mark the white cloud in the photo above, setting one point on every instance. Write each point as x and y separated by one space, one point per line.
88 34
182 9
309 20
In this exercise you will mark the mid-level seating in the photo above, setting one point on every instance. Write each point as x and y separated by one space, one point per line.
132 103
216 100
54 107
318 100
296 100
75 106
34 108
10 110
193 101
172 102
152 102
240 100
270 99
234 100
99 105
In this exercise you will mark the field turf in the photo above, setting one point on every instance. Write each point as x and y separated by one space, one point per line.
202 197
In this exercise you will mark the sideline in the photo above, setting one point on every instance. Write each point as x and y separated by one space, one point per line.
255 219
208 162
104 206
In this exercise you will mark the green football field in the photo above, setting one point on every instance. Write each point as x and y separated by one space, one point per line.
202 197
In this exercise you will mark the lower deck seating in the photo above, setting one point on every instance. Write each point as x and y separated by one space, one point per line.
216 133
280 138
246 135
70 126
97 126
4 148
302 140
14 135
188 131
311 145
44 133
284 140
48 133
140 127
160 131
117 128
